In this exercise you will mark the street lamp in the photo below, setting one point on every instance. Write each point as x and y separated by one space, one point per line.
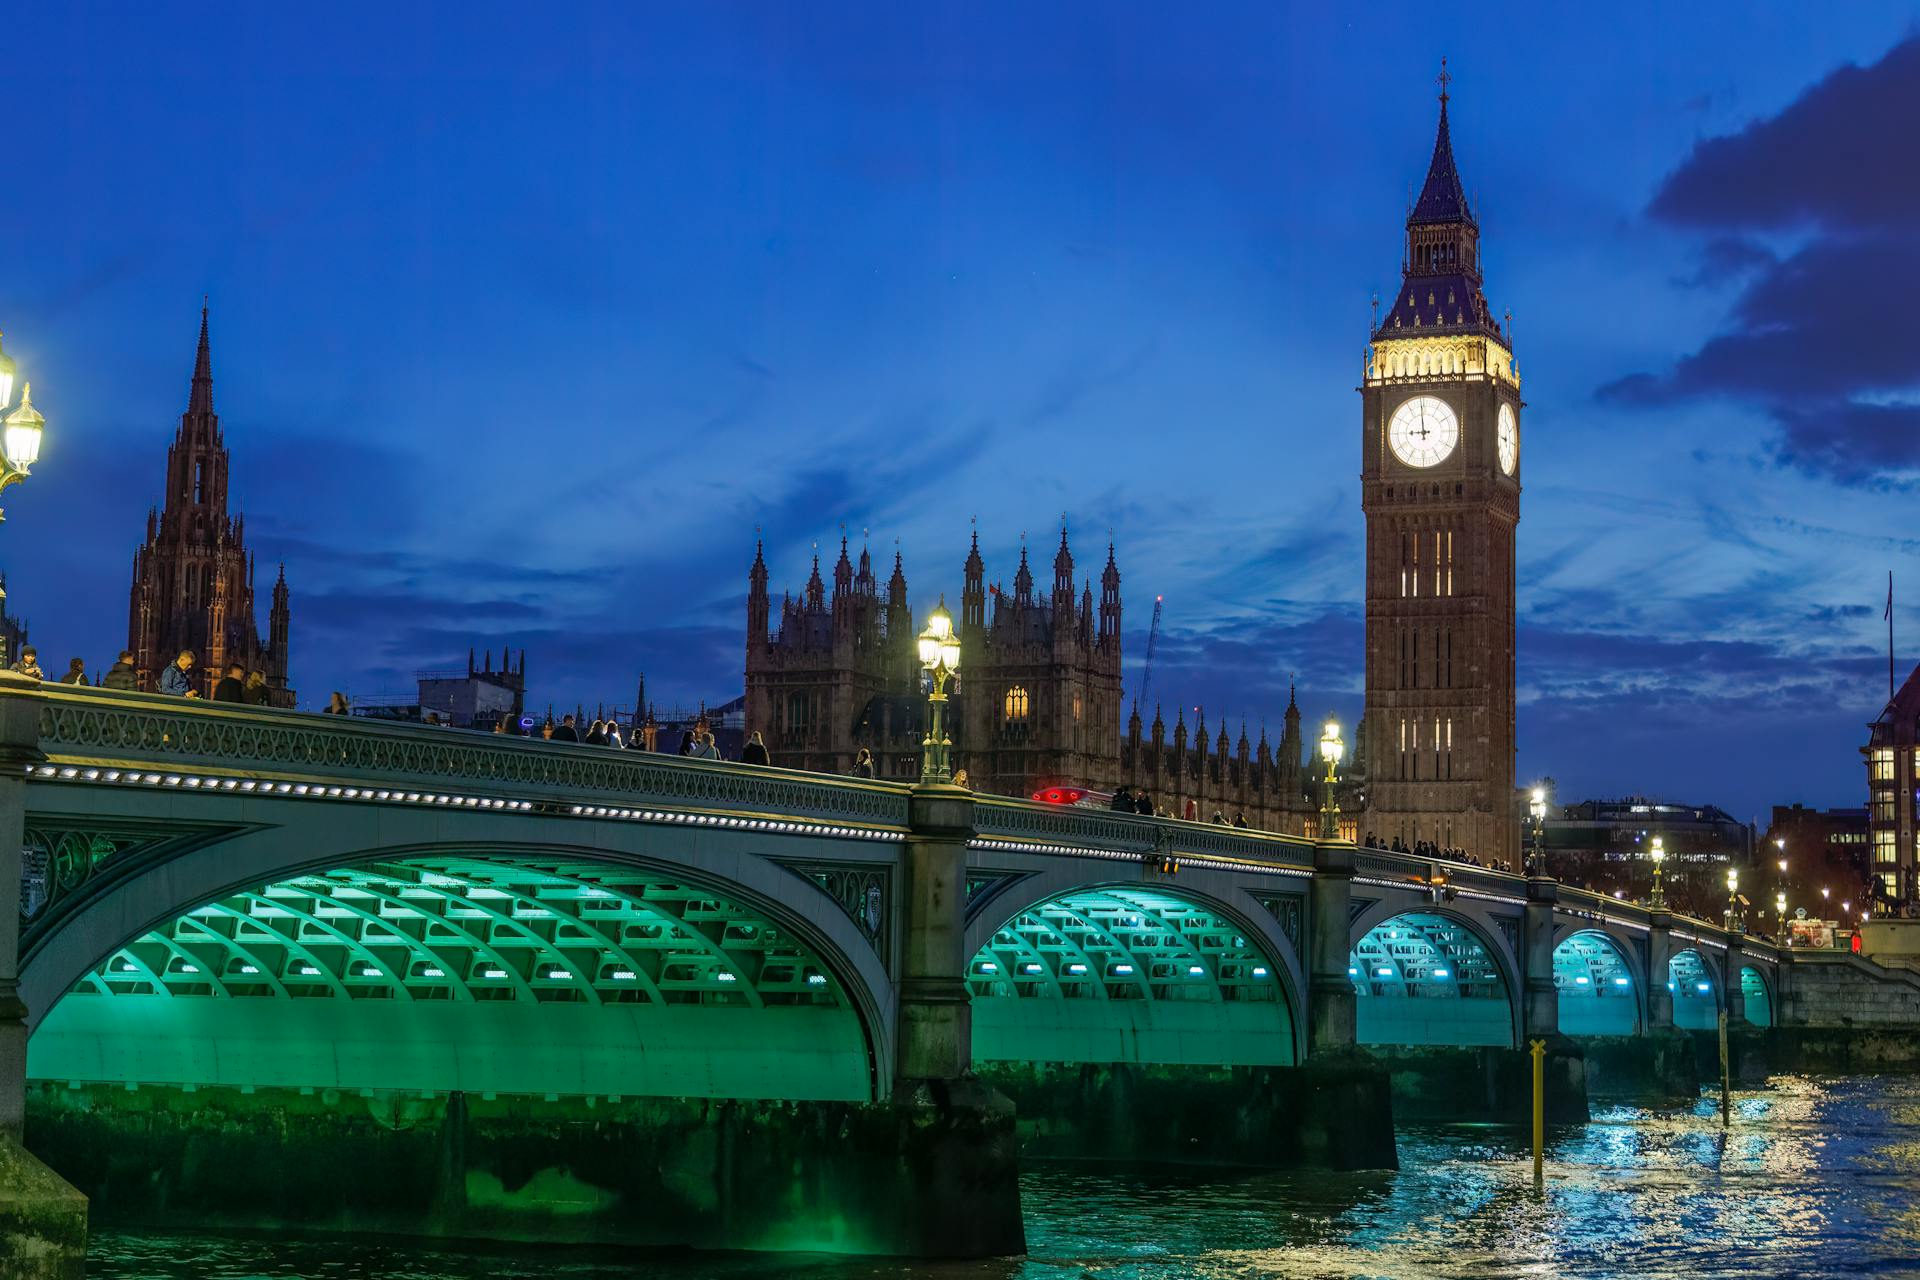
1537 806
1733 898
1780 906
20 438
940 655
1659 900
1331 749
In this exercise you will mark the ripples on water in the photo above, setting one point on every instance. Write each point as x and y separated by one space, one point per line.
1816 1179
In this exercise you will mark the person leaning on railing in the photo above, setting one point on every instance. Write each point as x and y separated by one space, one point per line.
174 679
121 674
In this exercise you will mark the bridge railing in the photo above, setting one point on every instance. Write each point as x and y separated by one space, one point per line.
100 735
1049 828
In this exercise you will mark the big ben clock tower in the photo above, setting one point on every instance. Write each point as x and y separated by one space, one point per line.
1440 486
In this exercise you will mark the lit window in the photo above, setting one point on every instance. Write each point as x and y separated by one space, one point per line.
1884 848
1016 705
1880 765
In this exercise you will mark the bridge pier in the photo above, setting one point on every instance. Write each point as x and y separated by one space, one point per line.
1330 994
963 1129
43 1221
1659 953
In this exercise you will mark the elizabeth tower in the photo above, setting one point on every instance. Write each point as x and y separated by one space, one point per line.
1440 486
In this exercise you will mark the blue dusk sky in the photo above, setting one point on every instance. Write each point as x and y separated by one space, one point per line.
525 317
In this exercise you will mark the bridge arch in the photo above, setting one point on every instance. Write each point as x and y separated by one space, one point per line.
1432 974
1694 983
204 908
1756 995
1601 993
1131 973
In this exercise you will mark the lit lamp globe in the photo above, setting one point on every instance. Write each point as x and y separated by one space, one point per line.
21 436
1733 882
937 642
1537 804
1331 748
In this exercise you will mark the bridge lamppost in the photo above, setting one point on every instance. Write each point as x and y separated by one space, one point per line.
940 655
1733 898
1659 899
1537 806
1331 749
19 446
1780 908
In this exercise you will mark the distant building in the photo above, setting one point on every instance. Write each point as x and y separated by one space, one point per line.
1038 701
193 577
475 699
1824 848
1606 845
479 698
13 631
1893 770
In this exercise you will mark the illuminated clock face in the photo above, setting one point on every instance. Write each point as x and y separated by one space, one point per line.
1423 431
1508 437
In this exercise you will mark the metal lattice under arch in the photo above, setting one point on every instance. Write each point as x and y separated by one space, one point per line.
1597 993
468 973
1127 975
1426 978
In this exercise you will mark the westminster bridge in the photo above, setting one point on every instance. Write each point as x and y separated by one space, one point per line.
284 969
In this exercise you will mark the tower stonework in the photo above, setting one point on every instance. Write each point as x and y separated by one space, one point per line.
193 585
1440 489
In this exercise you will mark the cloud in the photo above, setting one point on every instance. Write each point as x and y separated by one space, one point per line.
1837 157
1817 340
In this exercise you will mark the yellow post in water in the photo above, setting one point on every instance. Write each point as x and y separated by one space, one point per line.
1539 1052
1726 1077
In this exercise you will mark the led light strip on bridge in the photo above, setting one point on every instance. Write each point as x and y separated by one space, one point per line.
443 799
999 845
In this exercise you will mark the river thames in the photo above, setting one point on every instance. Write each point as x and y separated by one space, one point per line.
1817 1177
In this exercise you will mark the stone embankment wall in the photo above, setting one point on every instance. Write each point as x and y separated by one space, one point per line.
892 1178
1841 990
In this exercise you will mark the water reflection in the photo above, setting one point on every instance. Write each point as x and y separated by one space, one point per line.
1815 1178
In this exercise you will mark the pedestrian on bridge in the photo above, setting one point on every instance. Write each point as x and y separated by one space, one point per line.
755 752
76 672
233 685
336 705
564 731
863 764
1144 805
29 663
121 674
174 680
255 692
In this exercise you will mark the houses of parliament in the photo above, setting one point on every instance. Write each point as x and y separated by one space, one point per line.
1038 704
1040 698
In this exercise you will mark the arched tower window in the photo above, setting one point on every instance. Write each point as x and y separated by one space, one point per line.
1016 706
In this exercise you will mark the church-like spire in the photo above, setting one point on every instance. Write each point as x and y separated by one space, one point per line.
1443 198
200 399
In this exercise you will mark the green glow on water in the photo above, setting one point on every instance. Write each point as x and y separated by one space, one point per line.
1815 1180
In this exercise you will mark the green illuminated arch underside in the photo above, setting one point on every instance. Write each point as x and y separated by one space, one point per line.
1127 976
467 973
1424 978
1597 993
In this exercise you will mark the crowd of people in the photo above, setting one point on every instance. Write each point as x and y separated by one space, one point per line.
1432 849
1129 799
237 684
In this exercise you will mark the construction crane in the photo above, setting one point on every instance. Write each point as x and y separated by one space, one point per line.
1153 639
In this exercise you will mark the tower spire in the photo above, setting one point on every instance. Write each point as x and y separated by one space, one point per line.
200 399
